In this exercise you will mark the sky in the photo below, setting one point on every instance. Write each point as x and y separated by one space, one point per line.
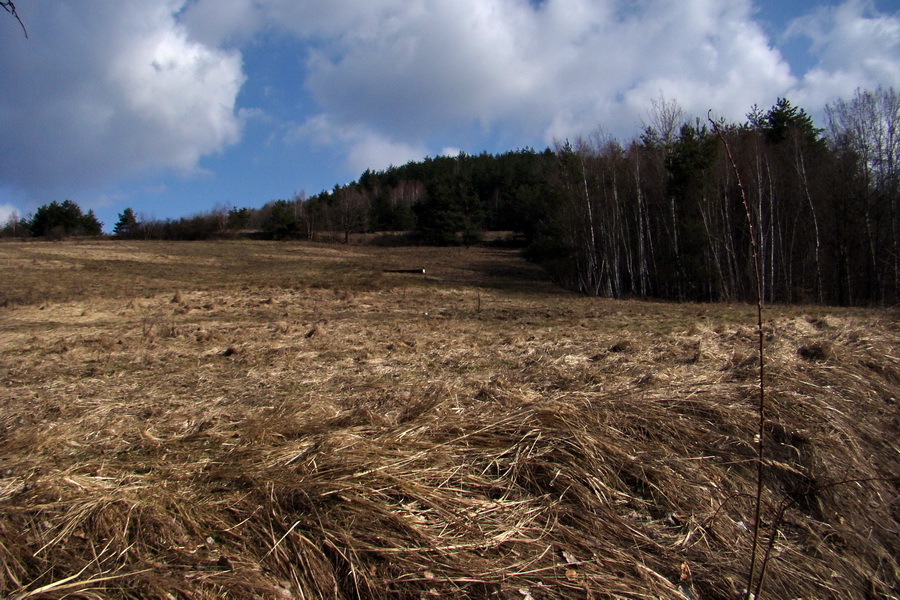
176 107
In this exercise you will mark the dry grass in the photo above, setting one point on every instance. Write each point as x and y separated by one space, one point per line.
254 420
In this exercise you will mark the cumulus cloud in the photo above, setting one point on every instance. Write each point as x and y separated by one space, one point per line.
236 21
105 89
855 46
363 147
422 72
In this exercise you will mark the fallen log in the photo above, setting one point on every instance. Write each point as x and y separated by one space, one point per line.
418 271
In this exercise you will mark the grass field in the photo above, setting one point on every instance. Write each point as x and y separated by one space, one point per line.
276 420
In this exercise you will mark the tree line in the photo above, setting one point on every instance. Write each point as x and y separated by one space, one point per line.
658 217
56 220
662 216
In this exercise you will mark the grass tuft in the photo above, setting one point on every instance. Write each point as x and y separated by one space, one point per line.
464 453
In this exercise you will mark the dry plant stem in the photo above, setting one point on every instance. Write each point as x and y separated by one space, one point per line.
9 7
779 518
776 523
762 363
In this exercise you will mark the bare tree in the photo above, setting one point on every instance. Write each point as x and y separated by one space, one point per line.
351 207
666 118
870 125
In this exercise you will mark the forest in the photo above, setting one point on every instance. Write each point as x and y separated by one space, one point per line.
667 215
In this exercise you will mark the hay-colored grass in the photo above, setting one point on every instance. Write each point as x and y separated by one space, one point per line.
301 424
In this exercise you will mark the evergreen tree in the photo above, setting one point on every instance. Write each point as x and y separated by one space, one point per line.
127 225
283 221
62 219
238 218
783 118
90 225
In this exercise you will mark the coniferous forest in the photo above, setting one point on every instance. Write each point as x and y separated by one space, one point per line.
662 216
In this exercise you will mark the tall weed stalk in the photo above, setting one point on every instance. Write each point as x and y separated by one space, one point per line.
760 446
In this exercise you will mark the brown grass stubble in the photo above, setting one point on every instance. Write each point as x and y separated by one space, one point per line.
271 434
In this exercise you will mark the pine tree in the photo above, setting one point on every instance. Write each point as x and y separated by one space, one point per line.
62 219
127 226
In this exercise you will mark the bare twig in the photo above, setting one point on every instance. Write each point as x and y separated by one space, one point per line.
9 7
779 517
762 363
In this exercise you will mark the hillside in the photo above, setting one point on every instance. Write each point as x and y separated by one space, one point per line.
290 420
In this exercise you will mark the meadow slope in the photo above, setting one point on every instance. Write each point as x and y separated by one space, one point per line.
264 420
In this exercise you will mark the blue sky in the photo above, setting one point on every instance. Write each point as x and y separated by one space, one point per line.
173 107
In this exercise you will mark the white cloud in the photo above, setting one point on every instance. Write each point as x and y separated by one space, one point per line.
106 89
217 22
855 47
221 22
7 211
372 151
421 72
363 147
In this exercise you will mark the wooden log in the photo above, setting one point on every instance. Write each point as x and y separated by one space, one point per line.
418 271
